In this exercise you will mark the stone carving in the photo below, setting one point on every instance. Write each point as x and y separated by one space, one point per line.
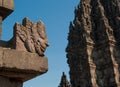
17 63
93 47
30 37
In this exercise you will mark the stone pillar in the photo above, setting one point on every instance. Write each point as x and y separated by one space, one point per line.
17 67
21 58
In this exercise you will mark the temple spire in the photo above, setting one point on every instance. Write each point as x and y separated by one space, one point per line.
93 50
64 82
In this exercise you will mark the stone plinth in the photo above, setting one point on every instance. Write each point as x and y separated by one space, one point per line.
21 66
6 7
22 57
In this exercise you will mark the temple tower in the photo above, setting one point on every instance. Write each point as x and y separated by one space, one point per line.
64 82
93 49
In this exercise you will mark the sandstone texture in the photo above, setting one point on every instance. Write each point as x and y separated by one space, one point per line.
22 57
21 65
93 49
29 37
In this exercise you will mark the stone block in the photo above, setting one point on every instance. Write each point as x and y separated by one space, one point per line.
21 65
6 7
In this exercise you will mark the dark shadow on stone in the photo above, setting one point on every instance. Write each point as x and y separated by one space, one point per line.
104 66
101 53
78 59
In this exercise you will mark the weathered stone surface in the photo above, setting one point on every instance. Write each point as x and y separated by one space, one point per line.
6 7
7 82
93 48
22 58
9 4
21 65
30 37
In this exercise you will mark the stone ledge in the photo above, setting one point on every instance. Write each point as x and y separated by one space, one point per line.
6 7
9 4
21 65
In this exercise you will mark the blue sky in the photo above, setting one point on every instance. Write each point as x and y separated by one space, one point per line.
56 15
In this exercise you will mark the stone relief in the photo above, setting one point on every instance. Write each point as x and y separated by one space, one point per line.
30 37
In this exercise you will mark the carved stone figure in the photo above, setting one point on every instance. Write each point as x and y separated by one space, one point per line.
30 37
22 58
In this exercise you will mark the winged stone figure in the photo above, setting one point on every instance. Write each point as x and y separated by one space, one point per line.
30 37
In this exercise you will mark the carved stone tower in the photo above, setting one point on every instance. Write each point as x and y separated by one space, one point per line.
22 58
64 82
93 49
